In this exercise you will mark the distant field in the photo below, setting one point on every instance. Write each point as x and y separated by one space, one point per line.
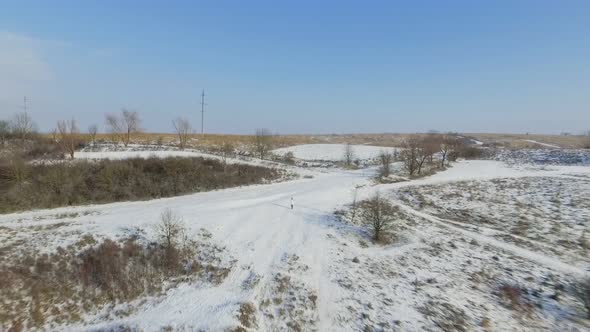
515 141
522 141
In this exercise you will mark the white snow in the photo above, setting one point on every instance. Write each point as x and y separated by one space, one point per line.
476 142
307 244
332 152
116 155
543 144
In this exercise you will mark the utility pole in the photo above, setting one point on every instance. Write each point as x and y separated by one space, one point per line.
203 113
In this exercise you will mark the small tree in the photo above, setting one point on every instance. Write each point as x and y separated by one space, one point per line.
227 151
262 142
348 155
67 136
171 229
409 155
114 126
131 122
378 213
92 131
385 158
22 125
124 126
183 129
447 145
427 147
4 131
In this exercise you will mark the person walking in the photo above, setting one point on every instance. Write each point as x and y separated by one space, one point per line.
292 203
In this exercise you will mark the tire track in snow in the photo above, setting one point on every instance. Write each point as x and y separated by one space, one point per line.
547 261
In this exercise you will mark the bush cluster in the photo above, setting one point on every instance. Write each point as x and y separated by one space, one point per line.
67 283
26 186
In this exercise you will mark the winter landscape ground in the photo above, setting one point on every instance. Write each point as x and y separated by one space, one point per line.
495 244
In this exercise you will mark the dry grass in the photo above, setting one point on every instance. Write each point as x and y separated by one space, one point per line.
60 287
209 141
63 184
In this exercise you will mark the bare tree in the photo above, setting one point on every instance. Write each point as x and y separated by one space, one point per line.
378 213
262 142
183 130
22 125
131 122
4 131
115 127
409 155
68 136
92 131
171 228
385 158
124 126
448 146
227 150
348 155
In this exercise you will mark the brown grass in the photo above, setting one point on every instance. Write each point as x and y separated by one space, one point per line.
60 287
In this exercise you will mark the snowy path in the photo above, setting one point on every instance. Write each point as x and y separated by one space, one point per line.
553 146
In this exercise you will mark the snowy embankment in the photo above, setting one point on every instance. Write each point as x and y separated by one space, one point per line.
302 269
332 152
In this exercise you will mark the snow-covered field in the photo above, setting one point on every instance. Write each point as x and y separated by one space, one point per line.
332 152
304 269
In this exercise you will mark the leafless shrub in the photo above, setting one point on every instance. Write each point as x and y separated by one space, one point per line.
227 151
122 127
68 136
4 131
448 146
410 155
115 127
183 129
131 123
171 229
385 159
92 131
13 171
379 214
348 155
289 158
262 142
22 125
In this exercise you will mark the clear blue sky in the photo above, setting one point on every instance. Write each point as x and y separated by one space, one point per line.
302 66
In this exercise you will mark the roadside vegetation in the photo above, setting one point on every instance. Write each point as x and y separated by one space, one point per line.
27 186
48 289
